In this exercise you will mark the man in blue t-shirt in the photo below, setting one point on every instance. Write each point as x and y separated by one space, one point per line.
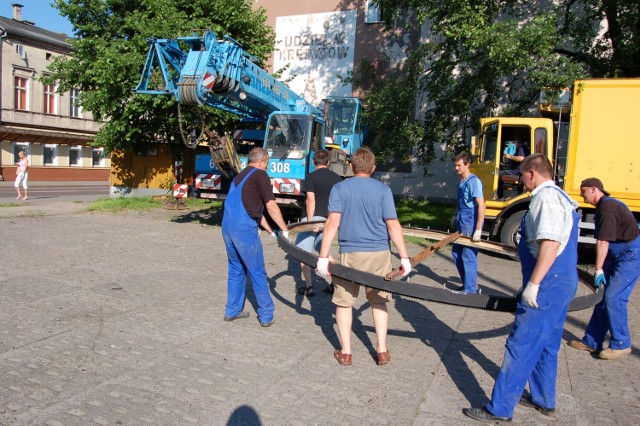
362 213
470 217
515 159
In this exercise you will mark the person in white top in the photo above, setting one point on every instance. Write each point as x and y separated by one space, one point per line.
22 174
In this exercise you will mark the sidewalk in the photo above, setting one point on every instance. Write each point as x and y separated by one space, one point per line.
117 319
10 182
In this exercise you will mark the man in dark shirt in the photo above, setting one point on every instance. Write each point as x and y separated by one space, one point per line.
317 187
249 194
617 267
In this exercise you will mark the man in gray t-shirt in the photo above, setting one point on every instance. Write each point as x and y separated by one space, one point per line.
362 213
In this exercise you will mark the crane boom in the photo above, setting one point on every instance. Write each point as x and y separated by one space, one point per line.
219 74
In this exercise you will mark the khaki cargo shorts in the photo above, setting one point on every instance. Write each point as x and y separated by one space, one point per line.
377 262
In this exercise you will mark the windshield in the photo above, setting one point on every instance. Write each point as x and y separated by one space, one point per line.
341 114
287 136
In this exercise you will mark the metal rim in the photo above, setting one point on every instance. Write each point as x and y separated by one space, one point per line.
500 302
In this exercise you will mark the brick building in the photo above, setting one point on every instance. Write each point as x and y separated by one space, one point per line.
53 131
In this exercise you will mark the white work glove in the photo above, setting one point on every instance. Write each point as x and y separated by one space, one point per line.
285 235
477 234
530 295
405 267
322 268
273 234
599 278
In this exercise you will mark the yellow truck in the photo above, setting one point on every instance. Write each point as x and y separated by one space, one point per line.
591 131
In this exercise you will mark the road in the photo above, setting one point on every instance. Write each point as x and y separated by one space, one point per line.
118 319
55 191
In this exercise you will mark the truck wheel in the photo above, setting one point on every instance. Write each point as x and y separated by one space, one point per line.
509 234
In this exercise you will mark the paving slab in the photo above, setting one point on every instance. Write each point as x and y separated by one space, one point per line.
117 319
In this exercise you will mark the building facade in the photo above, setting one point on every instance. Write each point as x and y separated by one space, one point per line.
54 132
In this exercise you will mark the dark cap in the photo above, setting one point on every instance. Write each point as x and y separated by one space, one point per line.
594 183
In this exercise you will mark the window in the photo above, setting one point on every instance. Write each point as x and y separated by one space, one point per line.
75 155
372 13
17 147
98 157
74 108
50 99
21 93
50 154
540 138
490 139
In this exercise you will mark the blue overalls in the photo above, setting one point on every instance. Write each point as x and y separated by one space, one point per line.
466 258
244 252
621 270
531 353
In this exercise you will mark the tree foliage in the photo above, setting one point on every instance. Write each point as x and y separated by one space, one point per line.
492 57
110 47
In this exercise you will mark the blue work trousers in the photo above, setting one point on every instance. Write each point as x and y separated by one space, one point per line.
531 355
622 271
245 257
466 258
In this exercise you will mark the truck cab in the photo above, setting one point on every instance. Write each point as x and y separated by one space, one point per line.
505 197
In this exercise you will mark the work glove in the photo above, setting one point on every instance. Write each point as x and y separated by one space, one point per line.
405 267
530 295
477 234
322 267
273 234
599 278
285 235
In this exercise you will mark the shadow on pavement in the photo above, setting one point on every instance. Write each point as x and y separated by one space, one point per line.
450 347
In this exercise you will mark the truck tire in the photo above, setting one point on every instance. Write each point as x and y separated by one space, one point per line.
509 234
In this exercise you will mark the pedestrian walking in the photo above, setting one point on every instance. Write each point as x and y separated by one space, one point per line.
617 268
22 175
249 194
548 256
363 215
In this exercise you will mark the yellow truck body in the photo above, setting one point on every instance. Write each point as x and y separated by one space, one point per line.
595 133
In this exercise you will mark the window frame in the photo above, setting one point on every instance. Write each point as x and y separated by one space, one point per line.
74 109
78 149
55 155
21 93
17 147
50 99
372 13
101 162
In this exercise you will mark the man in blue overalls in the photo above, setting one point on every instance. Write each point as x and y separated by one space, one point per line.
617 267
250 192
548 254
470 218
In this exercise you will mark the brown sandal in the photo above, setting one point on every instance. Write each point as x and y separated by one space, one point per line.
343 359
384 358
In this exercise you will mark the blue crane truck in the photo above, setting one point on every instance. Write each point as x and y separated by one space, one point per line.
218 73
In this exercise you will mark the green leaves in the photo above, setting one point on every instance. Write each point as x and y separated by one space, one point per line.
491 57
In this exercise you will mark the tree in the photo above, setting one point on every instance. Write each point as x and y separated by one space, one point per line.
109 50
491 57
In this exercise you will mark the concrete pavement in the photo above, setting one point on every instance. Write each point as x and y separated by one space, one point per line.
117 319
